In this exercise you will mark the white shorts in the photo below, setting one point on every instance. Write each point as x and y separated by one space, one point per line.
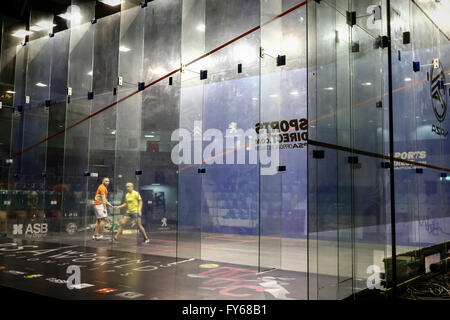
99 213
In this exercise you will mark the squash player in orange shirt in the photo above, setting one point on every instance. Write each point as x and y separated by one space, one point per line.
100 203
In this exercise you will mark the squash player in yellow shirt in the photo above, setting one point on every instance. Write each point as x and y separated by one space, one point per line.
133 202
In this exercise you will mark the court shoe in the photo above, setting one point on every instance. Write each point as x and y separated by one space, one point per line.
146 241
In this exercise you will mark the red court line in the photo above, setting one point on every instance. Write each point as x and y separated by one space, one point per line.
159 80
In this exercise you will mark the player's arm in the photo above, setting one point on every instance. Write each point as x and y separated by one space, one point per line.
121 206
140 206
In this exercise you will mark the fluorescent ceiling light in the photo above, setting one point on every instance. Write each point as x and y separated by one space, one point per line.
294 93
328 89
112 3
149 136
36 28
40 84
408 79
273 96
43 25
90 73
366 83
21 33
10 92
74 15
124 49
201 27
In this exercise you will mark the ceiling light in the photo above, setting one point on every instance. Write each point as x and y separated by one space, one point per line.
72 14
112 3
43 25
408 79
124 49
328 89
90 73
10 92
201 27
21 33
39 84
149 136
366 83
294 93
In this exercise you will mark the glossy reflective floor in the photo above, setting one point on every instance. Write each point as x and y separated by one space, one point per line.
41 267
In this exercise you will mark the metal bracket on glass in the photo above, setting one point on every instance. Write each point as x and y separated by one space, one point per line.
27 99
385 165
351 18
87 174
419 170
355 46
203 74
376 13
51 35
90 95
281 168
381 42
240 68
120 81
436 63
261 52
379 104
47 103
170 81
281 61
201 170
139 172
44 175
353 160
318 154
183 68
406 37
141 86
69 91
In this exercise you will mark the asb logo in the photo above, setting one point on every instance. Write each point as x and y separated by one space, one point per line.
17 229
37 229
439 96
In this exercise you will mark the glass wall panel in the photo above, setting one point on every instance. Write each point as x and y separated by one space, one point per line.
190 133
76 198
102 132
128 120
160 117
66 222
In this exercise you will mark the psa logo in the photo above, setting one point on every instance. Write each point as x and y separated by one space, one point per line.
37 229
439 96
